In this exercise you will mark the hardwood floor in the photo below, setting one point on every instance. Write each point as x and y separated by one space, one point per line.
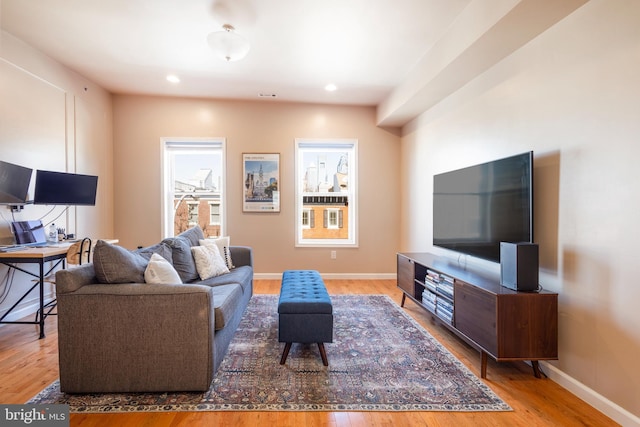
28 365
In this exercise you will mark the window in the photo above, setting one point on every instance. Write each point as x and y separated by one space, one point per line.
214 213
193 185
192 213
326 189
331 218
307 214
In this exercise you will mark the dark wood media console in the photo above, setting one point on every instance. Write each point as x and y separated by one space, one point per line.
502 323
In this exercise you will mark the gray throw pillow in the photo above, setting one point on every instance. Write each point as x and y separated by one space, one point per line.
193 235
182 258
161 249
115 264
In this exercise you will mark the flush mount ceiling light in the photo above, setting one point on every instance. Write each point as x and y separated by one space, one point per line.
228 44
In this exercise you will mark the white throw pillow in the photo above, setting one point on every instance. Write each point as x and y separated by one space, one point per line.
223 244
209 262
160 271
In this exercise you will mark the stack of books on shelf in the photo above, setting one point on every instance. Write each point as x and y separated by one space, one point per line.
432 279
445 286
438 294
429 300
444 309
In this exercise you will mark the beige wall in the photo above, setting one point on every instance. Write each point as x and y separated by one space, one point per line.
262 127
53 119
572 96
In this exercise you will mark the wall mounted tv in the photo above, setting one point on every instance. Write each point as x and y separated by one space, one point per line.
14 183
61 188
476 208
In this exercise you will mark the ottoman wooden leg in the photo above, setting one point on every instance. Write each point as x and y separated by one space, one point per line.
285 353
323 354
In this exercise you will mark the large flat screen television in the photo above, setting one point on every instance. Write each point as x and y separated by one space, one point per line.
61 188
477 207
14 183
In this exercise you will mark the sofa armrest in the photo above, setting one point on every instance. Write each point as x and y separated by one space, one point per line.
73 279
135 337
241 255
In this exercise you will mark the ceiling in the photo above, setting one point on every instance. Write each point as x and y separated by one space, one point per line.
402 56
365 47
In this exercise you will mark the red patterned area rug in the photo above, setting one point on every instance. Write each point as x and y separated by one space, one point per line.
380 360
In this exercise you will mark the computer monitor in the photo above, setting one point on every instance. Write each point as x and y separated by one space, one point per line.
62 188
14 183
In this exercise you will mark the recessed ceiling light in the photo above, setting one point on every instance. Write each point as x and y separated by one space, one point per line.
173 78
330 87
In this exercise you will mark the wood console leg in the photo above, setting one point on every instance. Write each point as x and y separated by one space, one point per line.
536 368
483 364
323 354
404 297
285 353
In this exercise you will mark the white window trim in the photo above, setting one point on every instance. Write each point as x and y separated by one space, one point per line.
166 222
352 220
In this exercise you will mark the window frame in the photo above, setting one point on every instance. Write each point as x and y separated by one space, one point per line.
217 214
192 143
333 218
350 146
191 214
306 212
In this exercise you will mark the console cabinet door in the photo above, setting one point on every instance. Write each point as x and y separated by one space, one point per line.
406 275
528 326
475 315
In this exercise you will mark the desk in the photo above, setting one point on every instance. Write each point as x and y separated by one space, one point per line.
34 256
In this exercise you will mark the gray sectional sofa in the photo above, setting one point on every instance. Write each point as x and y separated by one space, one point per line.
143 337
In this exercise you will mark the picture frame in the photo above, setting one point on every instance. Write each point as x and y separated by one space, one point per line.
261 182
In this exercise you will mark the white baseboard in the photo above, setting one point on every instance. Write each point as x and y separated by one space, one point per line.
24 309
21 311
346 276
601 403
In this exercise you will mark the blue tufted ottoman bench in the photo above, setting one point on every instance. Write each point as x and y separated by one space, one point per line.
305 312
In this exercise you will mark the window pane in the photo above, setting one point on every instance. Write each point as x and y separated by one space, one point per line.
193 176
326 188
214 211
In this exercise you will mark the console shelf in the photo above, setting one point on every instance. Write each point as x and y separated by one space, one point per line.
502 323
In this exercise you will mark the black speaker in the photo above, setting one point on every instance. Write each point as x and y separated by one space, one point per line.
519 266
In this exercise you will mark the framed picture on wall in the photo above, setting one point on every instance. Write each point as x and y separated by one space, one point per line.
261 176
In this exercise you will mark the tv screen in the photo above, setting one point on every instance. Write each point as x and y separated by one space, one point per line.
476 208
14 183
61 188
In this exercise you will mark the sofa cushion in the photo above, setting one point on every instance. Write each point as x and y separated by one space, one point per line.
182 258
209 262
115 264
161 249
226 300
160 271
242 275
223 244
193 235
